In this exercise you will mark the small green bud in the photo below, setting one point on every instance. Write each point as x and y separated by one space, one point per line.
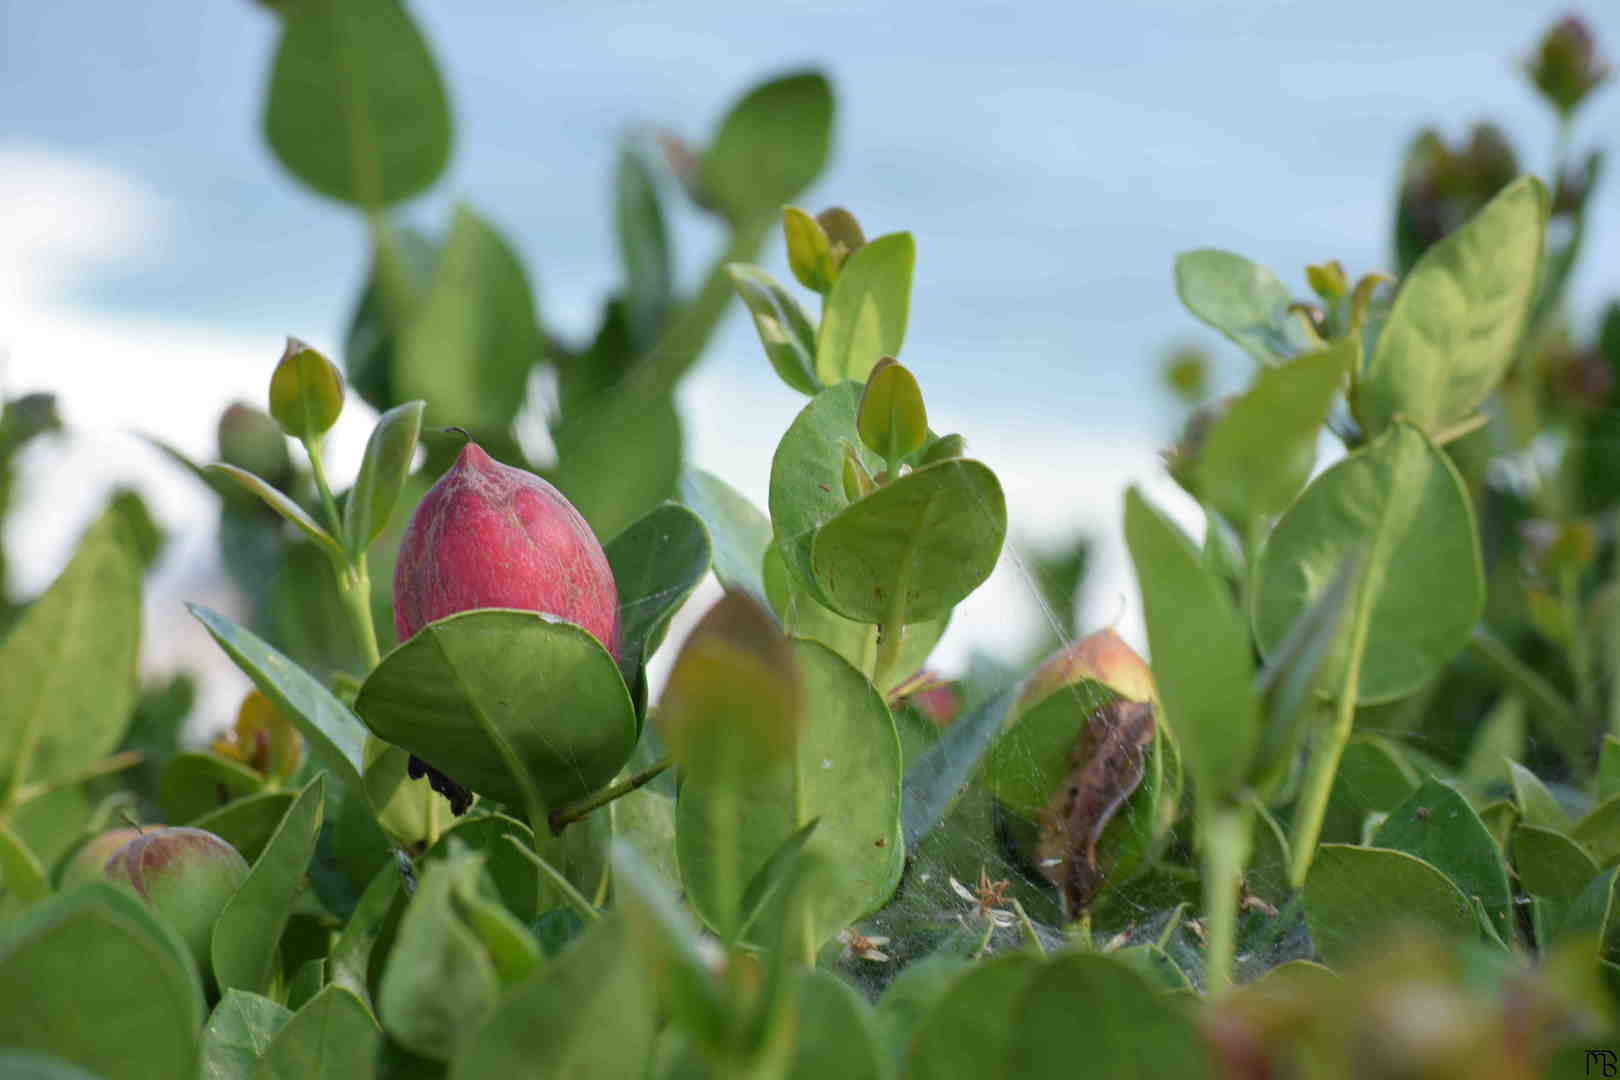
1566 66
858 482
306 392
1327 280
843 232
943 449
808 249
251 440
1187 373
892 420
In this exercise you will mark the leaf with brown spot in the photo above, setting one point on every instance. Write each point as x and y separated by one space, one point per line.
1106 767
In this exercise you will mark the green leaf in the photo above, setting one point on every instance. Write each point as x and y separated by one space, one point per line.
306 392
656 564
356 109
1608 778
845 770
1373 778
1200 649
382 474
932 536
1242 300
590 1014
440 982
1030 759
739 532
933 783
1261 452
333 1037
643 247
770 146
909 1000
1451 334
1550 864
349 962
668 946
69 664
1536 804
803 616
468 346
1599 832
864 318
248 932
239 1031
516 707
774 878
1355 893
194 785
21 873
335 736
1401 501
835 1032
403 262
615 468
891 420
27 1065
809 250
1438 825
278 502
248 823
784 329
807 476
93 978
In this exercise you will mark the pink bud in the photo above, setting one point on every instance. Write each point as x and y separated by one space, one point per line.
1102 657
489 535
185 875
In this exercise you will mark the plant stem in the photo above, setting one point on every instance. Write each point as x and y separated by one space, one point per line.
1028 927
575 899
566 815
1325 754
1224 844
115 763
334 520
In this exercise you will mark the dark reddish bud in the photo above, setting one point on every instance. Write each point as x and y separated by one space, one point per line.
488 535
186 876
1566 65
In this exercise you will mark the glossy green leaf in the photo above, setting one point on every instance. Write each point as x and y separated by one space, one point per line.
591 1014
383 469
1536 804
1200 649
616 468
770 146
69 664
911 998
306 392
1608 778
845 770
1373 778
356 109
194 785
1437 824
656 564
278 502
335 736
468 346
809 250
1260 453
27 1065
1550 864
440 982
773 879
1242 300
248 823
643 247
239 1031
784 329
1400 502
835 1035
1599 832
865 316
1451 334
519 708
249 929
933 536
738 531
22 875
332 1037
1353 894
93 978
1030 759
891 419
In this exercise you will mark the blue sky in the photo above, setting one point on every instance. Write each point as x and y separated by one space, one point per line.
1050 159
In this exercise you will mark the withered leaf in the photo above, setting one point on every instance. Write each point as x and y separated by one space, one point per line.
1106 765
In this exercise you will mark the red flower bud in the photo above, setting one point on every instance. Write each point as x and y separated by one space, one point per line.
489 535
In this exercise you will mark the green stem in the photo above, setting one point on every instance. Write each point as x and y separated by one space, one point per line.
567 814
1225 840
1028 927
1325 754
334 520
575 899
116 763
